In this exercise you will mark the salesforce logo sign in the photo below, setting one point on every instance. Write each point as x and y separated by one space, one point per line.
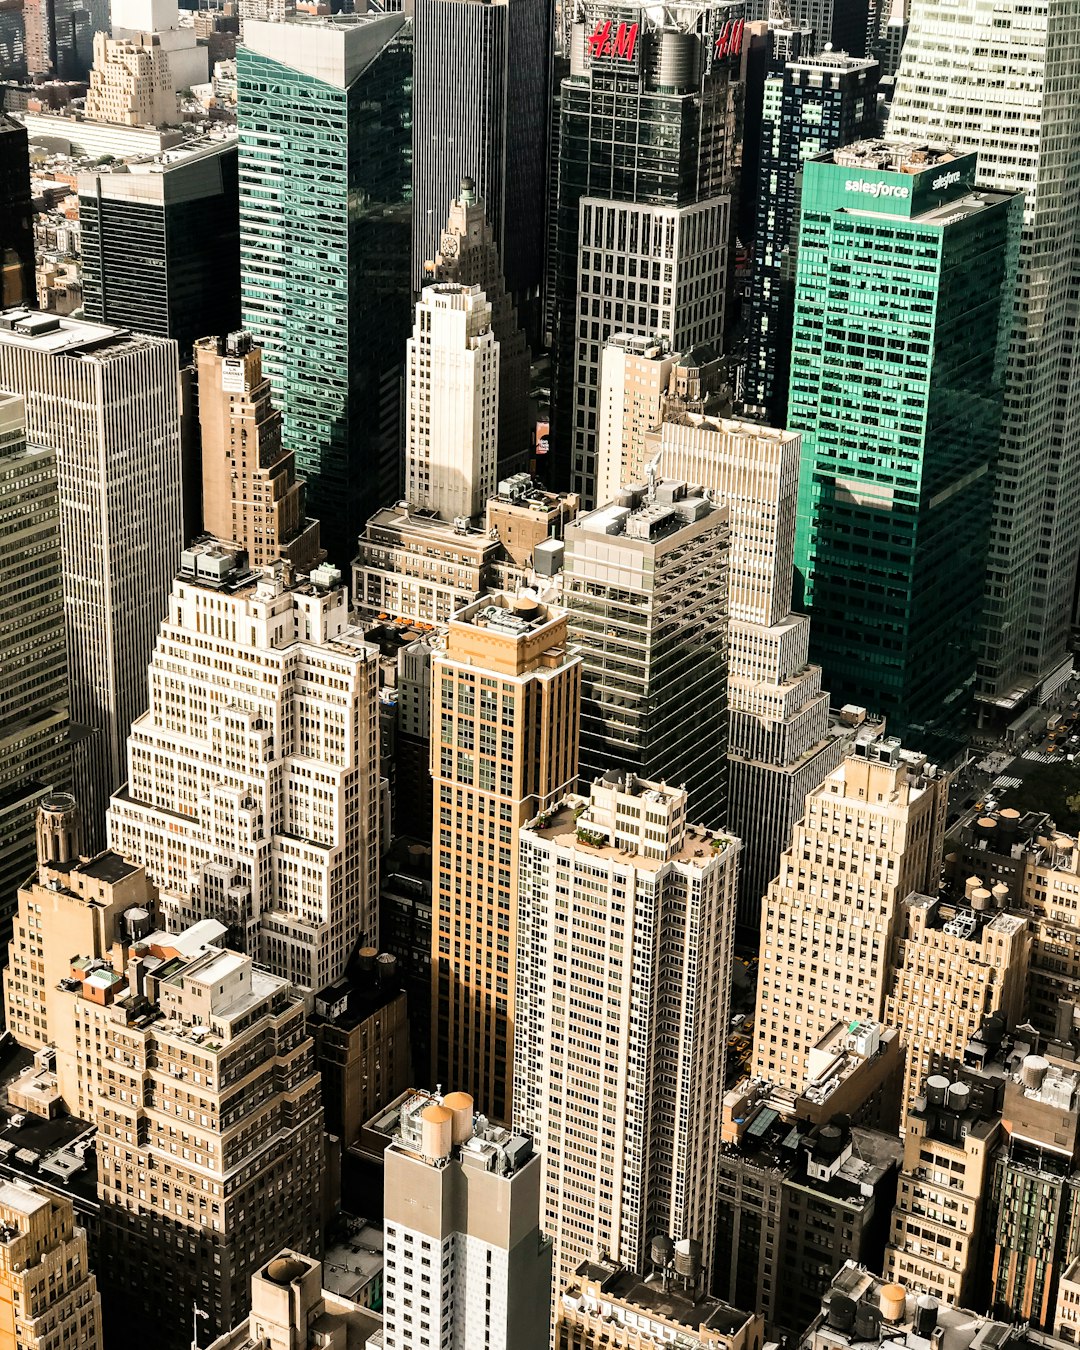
945 180
877 189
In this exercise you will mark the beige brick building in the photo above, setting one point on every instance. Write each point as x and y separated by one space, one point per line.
131 83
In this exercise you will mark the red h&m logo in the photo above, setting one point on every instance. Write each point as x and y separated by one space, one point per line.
729 43
601 43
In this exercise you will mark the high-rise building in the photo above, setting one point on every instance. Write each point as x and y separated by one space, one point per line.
642 219
185 1057
809 105
452 403
160 243
936 1239
480 102
323 110
131 83
35 735
645 585
261 814
1010 102
48 1293
899 410
505 708
951 967
607 1307
467 1265
469 255
106 400
635 373
872 833
250 492
625 922
60 36
781 743
17 285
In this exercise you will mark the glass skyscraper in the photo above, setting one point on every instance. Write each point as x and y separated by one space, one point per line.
904 276
324 115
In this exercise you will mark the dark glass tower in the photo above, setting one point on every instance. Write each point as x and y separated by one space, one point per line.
480 104
161 248
808 106
324 112
901 324
647 117
16 217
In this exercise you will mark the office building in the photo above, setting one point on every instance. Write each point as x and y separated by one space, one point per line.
899 419
46 1284
60 36
469 255
800 1188
360 1026
250 492
161 243
1035 1173
872 833
640 238
131 83
530 524
413 566
950 1135
467 1265
481 90
290 1310
809 105
35 735
645 585
106 401
262 815
623 978
452 403
505 710
952 967
958 84
781 740
142 1026
333 315
634 376
17 230
606 1305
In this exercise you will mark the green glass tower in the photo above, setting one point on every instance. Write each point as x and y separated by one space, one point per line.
324 116
904 275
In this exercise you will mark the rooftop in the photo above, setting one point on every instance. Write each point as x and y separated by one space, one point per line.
620 1296
508 615
59 335
570 827
890 156
649 513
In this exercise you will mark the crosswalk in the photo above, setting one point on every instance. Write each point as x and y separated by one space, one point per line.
1005 780
1039 757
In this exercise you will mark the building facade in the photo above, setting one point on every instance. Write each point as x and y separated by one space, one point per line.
330 309
645 585
262 814
467 1265
624 951
17 232
106 400
131 83
452 403
899 410
505 708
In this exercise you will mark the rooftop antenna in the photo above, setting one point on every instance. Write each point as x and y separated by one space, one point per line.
651 471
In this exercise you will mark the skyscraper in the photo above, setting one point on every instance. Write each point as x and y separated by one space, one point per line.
896 389
467 1266
250 492
623 976
645 585
480 100
35 735
106 400
323 110
131 83
468 254
452 403
17 285
642 219
810 105
161 243
780 743
261 814
872 834
505 706
1002 82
